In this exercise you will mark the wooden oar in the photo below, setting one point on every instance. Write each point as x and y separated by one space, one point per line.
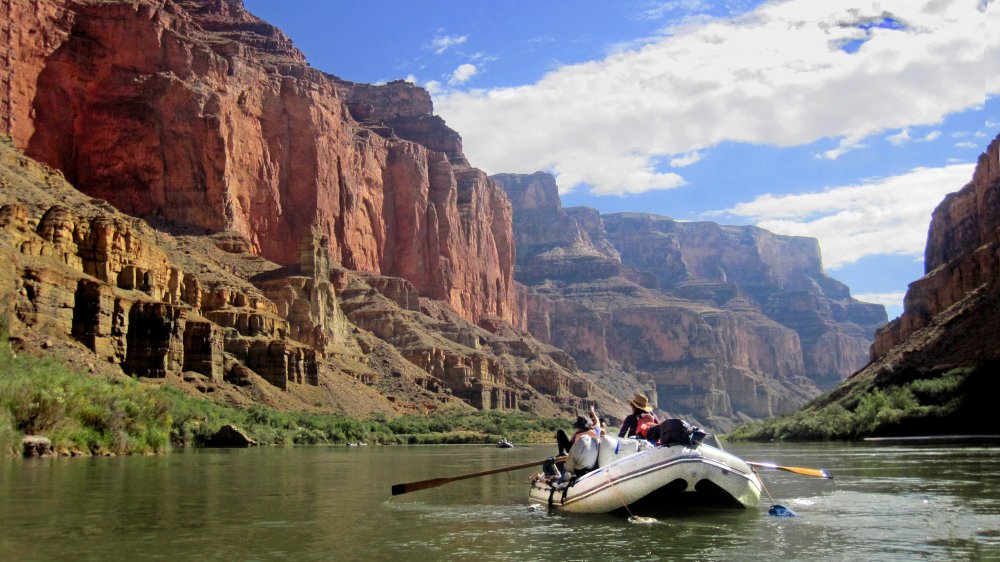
818 473
398 489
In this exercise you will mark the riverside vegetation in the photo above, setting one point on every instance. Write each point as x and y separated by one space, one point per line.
95 415
928 403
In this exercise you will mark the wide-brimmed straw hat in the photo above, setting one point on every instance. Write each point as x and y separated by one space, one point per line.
582 423
640 402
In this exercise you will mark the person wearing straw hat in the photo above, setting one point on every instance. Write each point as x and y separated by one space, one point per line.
641 420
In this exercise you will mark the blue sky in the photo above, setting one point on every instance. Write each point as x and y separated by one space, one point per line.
846 121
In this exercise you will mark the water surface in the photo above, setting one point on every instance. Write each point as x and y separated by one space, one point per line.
889 502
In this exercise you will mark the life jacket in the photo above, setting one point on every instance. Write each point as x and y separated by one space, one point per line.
643 424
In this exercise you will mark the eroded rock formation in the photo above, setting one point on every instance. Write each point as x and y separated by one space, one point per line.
201 310
198 114
725 323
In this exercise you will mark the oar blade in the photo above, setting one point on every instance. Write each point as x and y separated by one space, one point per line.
816 472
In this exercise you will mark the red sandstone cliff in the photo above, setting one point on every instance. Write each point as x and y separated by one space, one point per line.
197 114
308 234
111 294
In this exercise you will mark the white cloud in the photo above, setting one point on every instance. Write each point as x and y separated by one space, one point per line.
991 58
462 74
899 138
966 144
894 299
663 9
845 145
884 216
685 160
442 43
903 137
434 87
774 76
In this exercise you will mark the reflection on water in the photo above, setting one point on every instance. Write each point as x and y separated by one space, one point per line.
902 502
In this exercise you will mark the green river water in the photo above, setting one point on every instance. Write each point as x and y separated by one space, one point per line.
888 502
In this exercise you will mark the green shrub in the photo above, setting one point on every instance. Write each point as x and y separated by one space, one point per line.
79 412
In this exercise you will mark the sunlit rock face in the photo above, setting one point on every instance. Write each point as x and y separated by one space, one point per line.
197 114
962 264
254 186
724 322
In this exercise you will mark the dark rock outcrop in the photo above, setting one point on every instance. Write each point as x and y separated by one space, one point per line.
36 446
962 258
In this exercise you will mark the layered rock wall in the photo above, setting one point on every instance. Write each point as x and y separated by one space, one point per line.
197 114
96 276
723 322
782 276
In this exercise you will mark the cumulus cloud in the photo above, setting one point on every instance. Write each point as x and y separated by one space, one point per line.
442 43
462 74
685 160
786 74
663 9
885 216
899 138
904 137
893 299
992 48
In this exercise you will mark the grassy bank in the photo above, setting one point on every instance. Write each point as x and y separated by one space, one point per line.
89 414
79 413
952 401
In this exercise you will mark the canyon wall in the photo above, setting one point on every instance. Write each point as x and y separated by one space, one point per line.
111 294
962 264
198 115
286 229
725 323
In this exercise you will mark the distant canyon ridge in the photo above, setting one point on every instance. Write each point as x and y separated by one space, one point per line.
182 197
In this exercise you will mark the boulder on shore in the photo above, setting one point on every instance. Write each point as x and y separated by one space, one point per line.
230 436
36 446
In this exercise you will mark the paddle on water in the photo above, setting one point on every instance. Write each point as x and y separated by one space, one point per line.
776 510
398 489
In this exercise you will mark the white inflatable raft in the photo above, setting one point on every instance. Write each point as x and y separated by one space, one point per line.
653 480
